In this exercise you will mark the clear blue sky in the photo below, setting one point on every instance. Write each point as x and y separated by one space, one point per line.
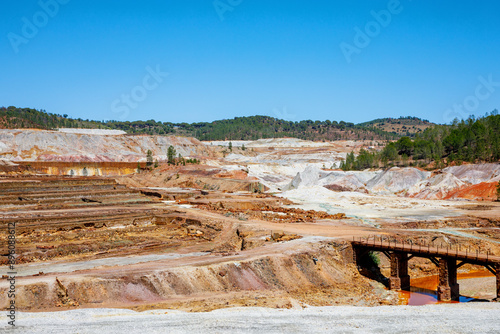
251 57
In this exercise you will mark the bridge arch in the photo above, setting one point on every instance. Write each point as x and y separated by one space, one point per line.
448 261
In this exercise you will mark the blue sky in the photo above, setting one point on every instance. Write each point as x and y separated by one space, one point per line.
109 59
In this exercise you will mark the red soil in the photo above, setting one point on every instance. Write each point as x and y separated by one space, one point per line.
481 191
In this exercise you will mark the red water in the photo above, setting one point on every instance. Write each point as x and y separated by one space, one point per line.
423 289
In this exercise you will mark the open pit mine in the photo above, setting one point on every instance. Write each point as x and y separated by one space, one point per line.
264 224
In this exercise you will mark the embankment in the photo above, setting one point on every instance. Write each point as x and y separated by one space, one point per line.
321 275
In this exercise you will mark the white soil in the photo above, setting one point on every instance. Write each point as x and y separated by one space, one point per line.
452 318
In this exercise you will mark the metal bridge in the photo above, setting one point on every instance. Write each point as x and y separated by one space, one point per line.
447 259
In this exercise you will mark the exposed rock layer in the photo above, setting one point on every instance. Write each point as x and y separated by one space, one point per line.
38 145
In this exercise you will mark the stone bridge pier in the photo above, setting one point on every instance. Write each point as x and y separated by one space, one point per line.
447 260
497 269
399 271
448 288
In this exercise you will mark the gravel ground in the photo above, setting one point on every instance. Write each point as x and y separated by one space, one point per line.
451 318
479 287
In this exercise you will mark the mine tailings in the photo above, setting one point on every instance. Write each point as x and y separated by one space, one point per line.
69 168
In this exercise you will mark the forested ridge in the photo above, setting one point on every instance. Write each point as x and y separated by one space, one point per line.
19 118
239 128
472 140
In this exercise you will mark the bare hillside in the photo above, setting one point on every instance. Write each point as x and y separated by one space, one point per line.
44 145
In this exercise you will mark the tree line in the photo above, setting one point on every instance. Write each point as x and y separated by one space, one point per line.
239 128
472 140
16 118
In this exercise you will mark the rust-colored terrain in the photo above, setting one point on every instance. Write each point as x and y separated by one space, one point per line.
91 242
261 226
202 253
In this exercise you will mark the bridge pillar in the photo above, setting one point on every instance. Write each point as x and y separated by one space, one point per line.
497 269
357 255
399 272
448 288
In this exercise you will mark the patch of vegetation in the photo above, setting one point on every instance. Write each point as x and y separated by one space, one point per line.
498 191
374 258
257 127
149 158
472 140
171 152
239 128
402 126
18 118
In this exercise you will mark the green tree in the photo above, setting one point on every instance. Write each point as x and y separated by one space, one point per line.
390 152
149 158
230 146
348 163
171 152
498 191
364 160
405 159
405 146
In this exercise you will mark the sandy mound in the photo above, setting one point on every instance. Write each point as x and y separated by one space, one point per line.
334 180
452 182
396 179
309 177
437 187
347 183
476 173
391 181
480 191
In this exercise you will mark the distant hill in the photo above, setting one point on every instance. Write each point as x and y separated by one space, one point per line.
403 126
475 140
19 118
256 127
239 128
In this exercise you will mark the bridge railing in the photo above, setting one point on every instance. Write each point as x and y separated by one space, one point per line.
388 243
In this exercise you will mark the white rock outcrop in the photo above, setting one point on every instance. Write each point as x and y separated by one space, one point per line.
475 174
436 187
32 145
396 179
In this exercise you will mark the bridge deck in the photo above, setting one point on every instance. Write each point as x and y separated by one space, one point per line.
473 257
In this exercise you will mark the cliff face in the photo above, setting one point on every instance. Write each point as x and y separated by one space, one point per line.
41 145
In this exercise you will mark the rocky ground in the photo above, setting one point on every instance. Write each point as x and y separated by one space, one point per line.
464 318
73 146
265 226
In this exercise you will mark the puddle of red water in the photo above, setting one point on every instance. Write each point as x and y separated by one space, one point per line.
423 289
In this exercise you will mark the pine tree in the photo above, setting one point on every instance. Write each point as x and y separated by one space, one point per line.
171 154
149 158
498 191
